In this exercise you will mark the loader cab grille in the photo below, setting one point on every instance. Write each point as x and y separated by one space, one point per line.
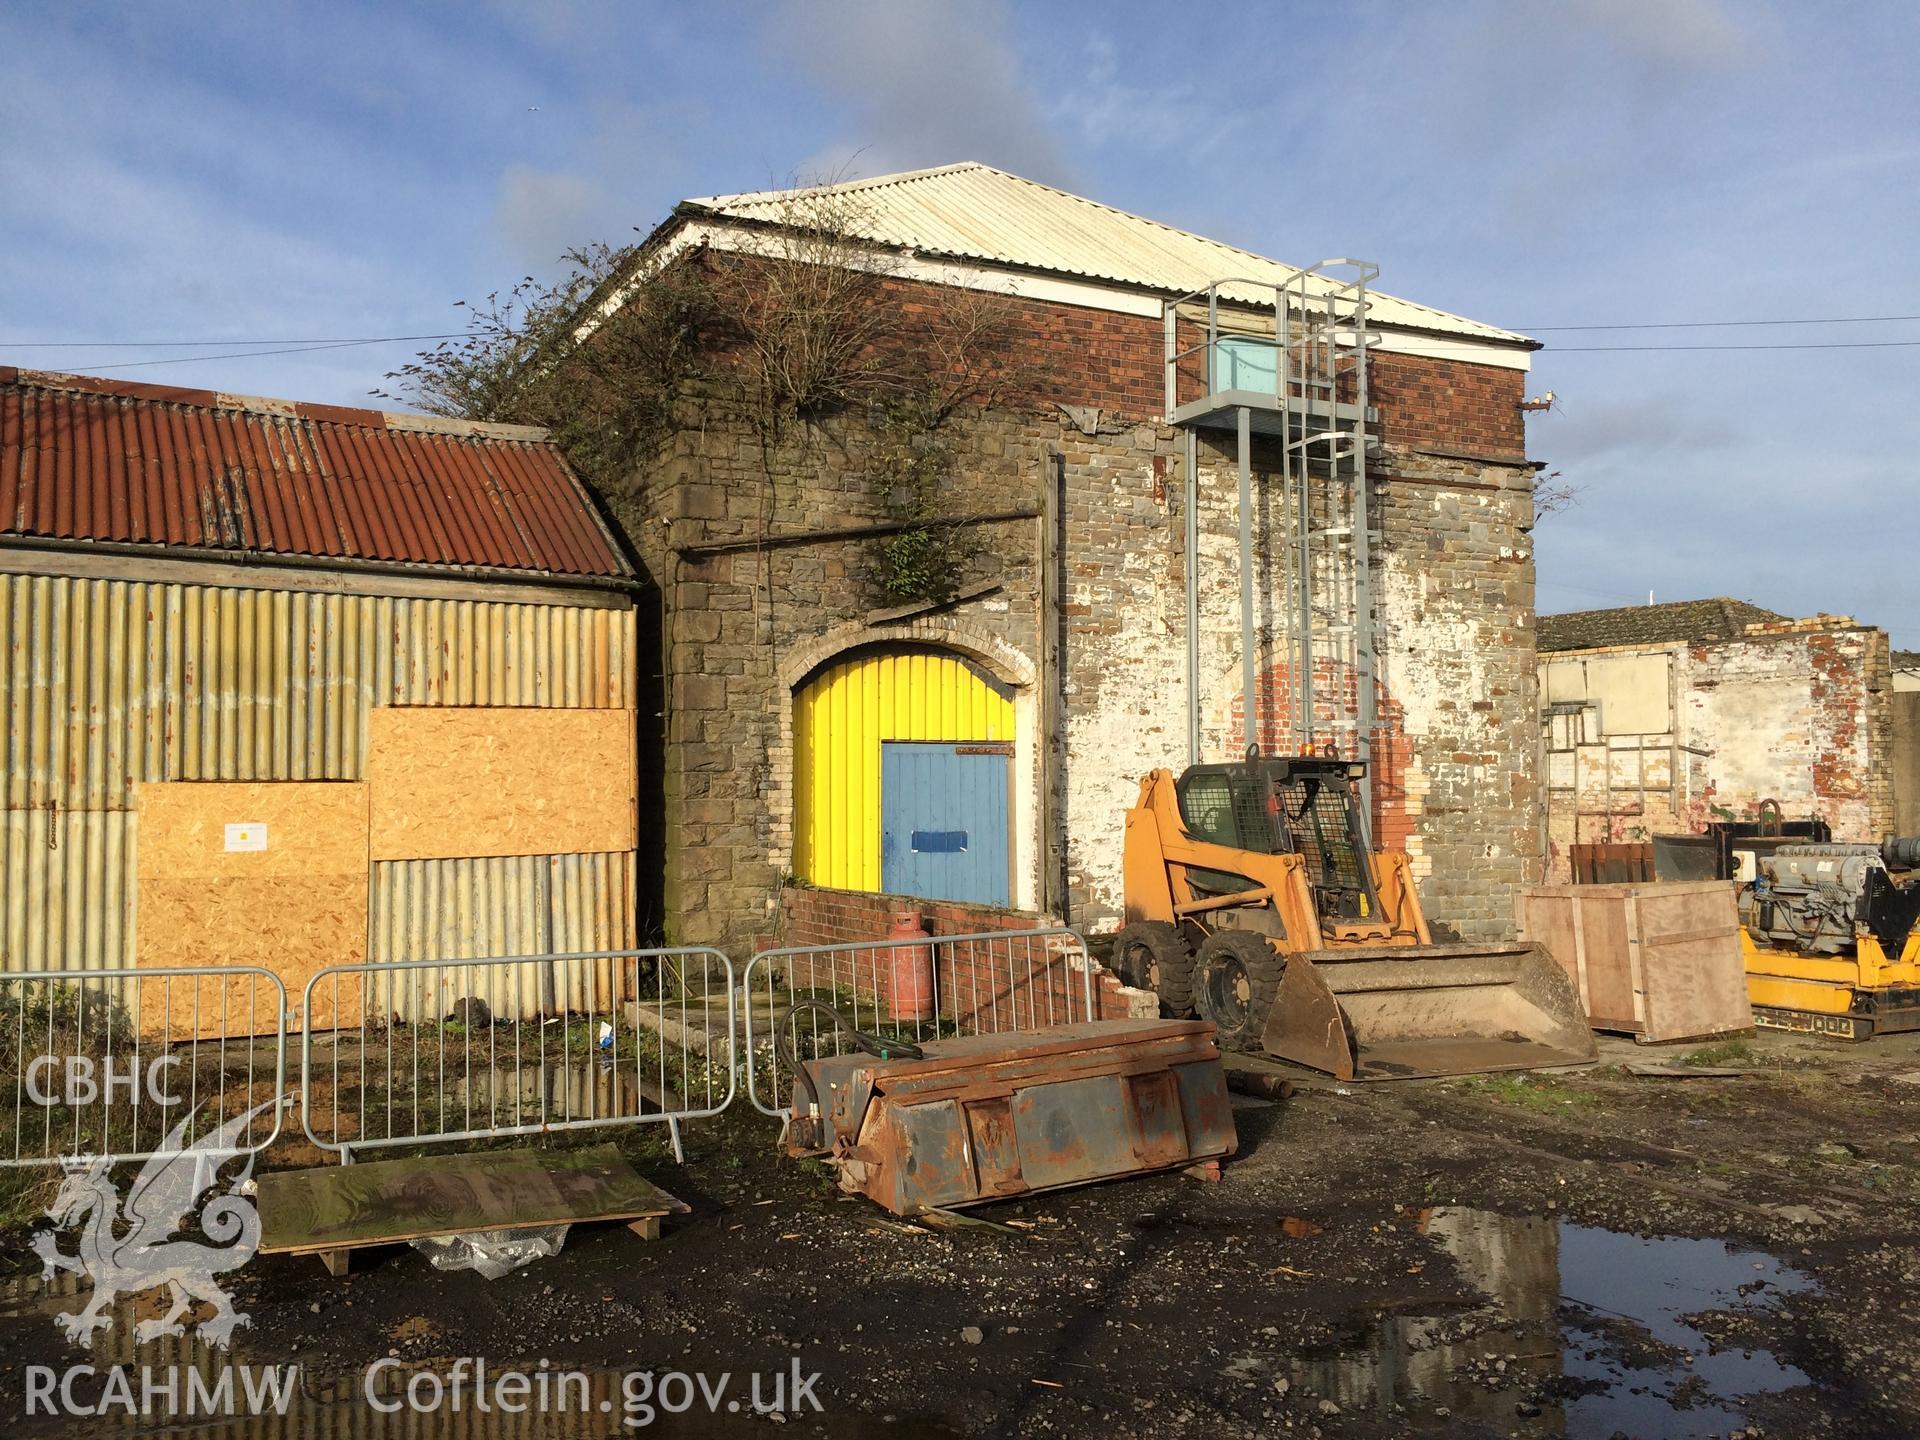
1225 805
1321 815
1309 807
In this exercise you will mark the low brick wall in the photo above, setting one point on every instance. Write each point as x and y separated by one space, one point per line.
987 980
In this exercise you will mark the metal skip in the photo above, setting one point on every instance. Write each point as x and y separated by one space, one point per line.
987 1117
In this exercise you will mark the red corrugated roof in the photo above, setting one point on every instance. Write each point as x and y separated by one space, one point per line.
113 461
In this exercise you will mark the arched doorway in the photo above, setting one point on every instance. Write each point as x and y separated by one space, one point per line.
903 775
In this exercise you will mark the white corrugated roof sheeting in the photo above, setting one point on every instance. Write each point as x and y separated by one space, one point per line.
977 213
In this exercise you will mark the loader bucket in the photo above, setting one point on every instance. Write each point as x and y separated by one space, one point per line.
1393 1012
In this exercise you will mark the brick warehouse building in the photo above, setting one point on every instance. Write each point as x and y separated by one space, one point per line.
985 749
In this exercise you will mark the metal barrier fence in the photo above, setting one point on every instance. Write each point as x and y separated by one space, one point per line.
414 1051
979 985
123 1064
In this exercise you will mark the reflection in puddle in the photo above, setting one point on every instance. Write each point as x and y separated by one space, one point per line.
1589 1335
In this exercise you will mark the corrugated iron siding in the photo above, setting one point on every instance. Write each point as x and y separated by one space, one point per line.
107 683
506 905
108 460
512 905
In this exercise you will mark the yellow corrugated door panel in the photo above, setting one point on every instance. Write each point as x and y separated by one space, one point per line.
841 718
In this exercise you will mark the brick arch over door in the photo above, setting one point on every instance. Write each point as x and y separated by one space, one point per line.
1001 667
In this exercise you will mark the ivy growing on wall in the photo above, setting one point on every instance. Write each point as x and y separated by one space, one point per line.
799 323
912 474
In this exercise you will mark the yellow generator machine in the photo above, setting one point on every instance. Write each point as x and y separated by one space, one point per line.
1830 939
1828 930
1254 900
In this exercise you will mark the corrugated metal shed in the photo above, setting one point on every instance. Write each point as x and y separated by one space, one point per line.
106 685
975 212
83 459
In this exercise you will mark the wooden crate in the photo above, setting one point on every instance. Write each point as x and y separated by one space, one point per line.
1658 961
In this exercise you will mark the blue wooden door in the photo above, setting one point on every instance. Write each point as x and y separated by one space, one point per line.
943 821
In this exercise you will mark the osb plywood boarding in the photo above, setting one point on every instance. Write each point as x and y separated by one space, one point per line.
273 875
1659 961
453 783
304 829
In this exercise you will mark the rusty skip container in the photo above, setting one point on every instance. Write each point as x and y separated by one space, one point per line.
993 1116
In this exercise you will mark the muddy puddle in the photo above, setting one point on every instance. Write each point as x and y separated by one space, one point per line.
1534 1328
1589 1333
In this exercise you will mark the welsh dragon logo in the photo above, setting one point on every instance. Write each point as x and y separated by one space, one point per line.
128 1246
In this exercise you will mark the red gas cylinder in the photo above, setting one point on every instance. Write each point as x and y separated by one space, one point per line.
909 969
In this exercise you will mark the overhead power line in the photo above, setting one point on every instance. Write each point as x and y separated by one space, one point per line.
301 347
203 344
1586 590
1783 345
1726 324
295 349
456 335
240 354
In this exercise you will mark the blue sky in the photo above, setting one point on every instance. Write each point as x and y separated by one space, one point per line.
253 172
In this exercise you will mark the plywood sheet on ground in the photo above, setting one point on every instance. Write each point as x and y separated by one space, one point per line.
451 783
388 1201
273 875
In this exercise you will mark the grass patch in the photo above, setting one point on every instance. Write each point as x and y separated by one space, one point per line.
24 1197
1538 1094
1724 1052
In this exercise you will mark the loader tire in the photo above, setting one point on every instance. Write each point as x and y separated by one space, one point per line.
1236 976
1152 955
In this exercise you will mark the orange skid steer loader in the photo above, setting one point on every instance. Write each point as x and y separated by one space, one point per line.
1254 900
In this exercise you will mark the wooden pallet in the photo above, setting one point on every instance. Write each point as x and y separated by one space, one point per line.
334 1211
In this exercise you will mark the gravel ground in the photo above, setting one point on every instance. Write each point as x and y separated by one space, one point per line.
1585 1253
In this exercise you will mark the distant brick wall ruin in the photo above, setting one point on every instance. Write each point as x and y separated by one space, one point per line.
1795 711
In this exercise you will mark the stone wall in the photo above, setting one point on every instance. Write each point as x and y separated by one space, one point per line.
749 614
1457 681
1906 761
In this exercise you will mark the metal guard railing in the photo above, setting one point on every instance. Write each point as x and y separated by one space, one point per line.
126 1063
982 984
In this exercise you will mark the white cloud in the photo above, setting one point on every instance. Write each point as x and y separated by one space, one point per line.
1689 33
924 83
1145 107
541 214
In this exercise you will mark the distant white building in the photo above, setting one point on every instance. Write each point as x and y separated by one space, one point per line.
1656 719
